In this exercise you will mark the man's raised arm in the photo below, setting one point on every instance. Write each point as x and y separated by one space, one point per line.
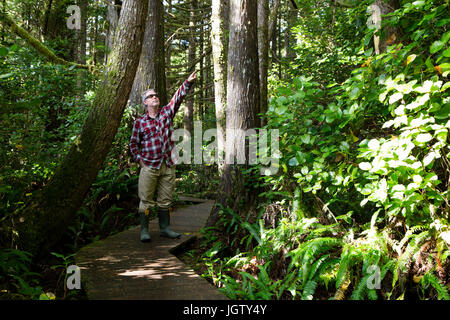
182 92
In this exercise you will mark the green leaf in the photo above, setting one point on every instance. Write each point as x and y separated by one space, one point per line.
445 66
418 4
3 51
395 97
424 137
444 112
6 75
429 63
305 170
446 53
445 37
436 46
365 166
354 93
282 109
306 138
410 58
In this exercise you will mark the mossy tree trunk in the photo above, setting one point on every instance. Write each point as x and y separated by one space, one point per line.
219 42
46 216
6 20
151 70
243 99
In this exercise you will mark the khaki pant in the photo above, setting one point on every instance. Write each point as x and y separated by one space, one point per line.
162 181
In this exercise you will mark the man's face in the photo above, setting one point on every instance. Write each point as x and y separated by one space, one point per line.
152 99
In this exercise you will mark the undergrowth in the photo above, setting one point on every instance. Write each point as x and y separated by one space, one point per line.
359 207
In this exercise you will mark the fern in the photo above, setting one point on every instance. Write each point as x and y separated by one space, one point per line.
315 248
321 229
230 288
326 272
316 266
410 251
388 240
288 283
372 294
309 290
311 281
340 293
344 265
430 279
410 234
360 289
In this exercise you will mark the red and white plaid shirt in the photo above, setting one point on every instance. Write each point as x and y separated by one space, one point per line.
151 138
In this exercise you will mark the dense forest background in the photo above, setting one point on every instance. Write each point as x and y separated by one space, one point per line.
358 91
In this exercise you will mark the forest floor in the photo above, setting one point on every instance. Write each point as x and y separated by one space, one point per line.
121 267
52 270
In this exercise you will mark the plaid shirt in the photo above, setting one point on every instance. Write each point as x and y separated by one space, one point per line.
153 136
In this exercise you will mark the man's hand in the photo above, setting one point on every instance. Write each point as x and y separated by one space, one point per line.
192 77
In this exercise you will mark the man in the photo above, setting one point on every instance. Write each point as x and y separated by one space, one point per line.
152 147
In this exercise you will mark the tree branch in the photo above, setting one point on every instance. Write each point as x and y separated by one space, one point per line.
294 4
36 44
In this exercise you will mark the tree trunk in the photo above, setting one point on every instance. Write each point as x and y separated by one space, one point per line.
167 45
201 78
189 105
273 18
289 37
263 52
151 70
390 34
47 17
242 103
112 16
81 47
46 216
219 42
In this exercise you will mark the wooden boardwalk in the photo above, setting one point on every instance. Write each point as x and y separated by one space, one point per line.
120 267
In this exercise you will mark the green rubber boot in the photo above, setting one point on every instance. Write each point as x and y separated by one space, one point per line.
145 235
164 222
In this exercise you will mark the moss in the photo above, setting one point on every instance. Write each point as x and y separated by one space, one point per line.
36 44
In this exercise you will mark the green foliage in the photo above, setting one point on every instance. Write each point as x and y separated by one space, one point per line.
40 117
325 50
362 189
16 276
429 279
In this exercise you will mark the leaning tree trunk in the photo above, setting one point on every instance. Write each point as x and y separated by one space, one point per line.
243 98
150 73
45 218
219 42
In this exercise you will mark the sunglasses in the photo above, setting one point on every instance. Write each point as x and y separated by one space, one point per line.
151 96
